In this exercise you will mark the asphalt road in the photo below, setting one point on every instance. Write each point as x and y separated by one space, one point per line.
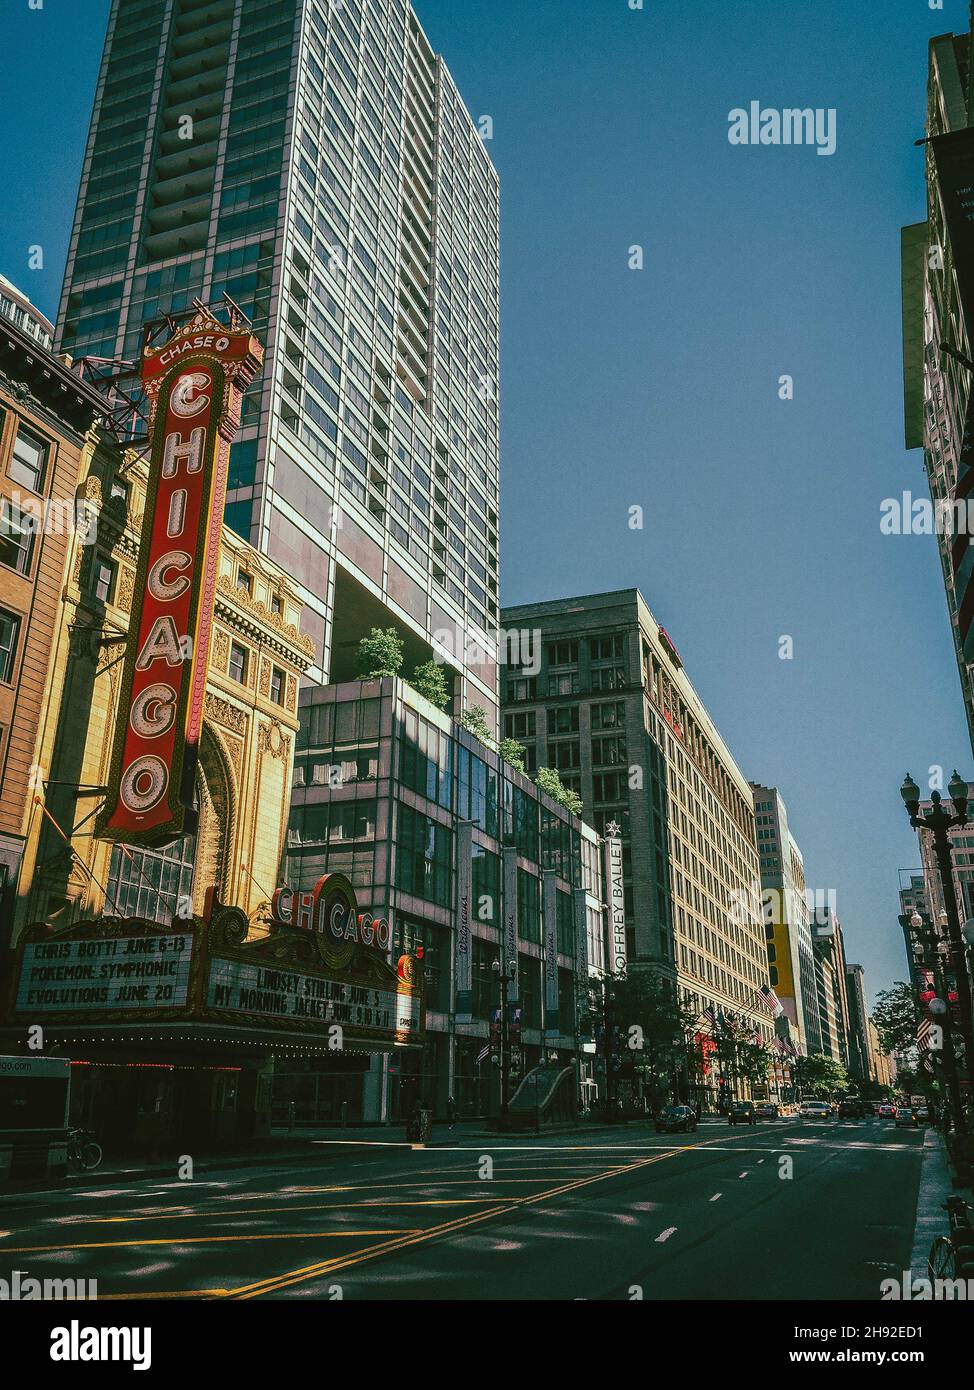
788 1209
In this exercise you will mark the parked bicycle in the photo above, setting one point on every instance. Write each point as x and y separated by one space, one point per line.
952 1257
84 1151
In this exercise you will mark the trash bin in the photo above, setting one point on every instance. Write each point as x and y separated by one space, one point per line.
419 1127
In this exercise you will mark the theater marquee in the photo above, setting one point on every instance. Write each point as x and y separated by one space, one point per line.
194 383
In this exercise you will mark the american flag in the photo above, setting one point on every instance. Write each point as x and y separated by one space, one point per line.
766 999
924 1028
710 1014
484 1052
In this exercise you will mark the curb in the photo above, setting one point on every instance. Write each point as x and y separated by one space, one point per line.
936 1183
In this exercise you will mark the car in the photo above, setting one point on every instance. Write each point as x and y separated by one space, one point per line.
923 1114
868 1107
768 1110
906 1117
676 1119
742 1112
886 1110
850 1109
815 1110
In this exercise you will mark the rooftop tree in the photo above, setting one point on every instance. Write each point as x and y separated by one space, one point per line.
430 681
380 654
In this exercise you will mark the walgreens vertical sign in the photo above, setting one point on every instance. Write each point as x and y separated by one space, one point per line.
194 383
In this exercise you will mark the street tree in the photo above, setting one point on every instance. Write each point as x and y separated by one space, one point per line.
753 1062
820 1077
648 1031
896 1017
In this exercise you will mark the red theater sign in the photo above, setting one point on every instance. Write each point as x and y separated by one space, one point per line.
330 911
194 383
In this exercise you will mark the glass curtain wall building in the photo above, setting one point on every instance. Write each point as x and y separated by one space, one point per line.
382 781
315 162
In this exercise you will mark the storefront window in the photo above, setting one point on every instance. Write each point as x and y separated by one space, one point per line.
566 1002
529 984
412 936
486 990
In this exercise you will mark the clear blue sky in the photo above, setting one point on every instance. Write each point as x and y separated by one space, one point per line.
659 387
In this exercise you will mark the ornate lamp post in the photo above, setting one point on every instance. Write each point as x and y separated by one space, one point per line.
939 822
931 949
504 980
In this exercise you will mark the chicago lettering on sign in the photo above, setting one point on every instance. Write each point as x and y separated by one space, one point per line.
331 910
194 384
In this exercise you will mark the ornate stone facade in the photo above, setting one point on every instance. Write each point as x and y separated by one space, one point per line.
246 754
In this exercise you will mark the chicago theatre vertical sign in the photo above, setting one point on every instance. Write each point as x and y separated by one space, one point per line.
194 383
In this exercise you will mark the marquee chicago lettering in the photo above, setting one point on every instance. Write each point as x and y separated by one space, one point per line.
330 909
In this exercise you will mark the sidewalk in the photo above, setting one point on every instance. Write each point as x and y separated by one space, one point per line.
936 1184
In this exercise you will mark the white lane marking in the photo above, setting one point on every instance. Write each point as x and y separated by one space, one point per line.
665 1235
716 1197
744 1174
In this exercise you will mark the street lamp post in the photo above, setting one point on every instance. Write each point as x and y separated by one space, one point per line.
931 946
504 980
939 822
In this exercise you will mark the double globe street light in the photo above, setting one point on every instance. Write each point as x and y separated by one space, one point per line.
939 821
930 952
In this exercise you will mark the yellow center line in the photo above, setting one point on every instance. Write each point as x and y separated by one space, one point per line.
298 1276
181 1293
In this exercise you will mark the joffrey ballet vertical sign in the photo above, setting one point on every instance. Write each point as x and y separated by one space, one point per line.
615 895
194 382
